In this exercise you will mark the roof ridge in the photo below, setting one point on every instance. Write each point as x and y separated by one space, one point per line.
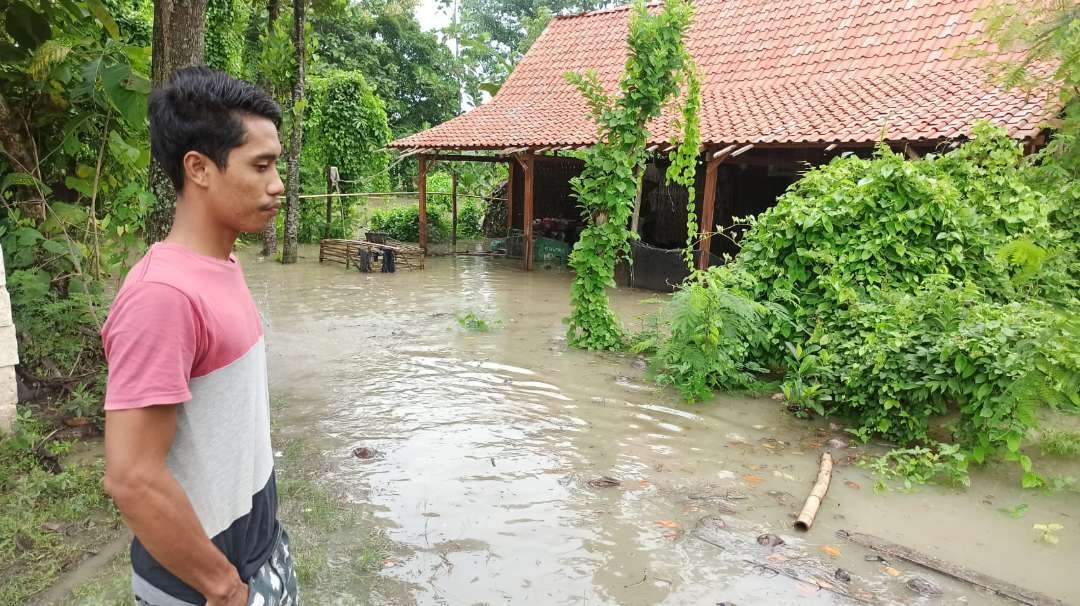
606 11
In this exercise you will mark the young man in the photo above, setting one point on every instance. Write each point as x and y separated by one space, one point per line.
187 428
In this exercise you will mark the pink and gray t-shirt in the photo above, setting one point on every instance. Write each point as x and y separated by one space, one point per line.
184 330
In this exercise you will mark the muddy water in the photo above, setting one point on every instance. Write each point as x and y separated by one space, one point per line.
490 445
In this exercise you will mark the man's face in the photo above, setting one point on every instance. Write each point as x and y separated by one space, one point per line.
244 195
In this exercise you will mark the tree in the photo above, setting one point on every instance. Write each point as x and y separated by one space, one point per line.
178 43
292 177
495 34
411 70
269 235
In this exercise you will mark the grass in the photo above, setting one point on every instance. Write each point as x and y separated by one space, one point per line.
1060 443
50 517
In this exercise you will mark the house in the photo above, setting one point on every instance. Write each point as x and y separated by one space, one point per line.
786 84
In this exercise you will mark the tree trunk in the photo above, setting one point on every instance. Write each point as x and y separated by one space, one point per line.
178 43
269 236
292 177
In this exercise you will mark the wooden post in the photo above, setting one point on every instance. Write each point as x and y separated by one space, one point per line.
329 198
422 185
527 221
510 196
708 204
636 221
453 209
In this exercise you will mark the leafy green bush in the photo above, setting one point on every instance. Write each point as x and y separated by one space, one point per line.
403 223
906 291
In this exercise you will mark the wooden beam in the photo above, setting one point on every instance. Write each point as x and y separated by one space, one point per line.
330 178
510 197
830 147
453 209
466 158
708 204
724 152
636 220
422 186
527 221
742 150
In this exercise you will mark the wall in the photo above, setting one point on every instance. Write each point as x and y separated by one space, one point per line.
9 356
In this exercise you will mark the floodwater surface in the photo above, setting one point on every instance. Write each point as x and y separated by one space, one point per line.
496 455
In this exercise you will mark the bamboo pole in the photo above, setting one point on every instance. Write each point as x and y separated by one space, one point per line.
453 209
817 494
527 222
708 205
422 186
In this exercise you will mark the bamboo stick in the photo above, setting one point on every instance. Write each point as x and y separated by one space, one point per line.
817 494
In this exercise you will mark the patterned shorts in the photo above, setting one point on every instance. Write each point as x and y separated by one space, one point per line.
272 585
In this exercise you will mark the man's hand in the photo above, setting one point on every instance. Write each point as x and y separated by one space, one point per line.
157 509
238 596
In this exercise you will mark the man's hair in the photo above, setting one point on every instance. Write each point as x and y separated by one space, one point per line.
202 109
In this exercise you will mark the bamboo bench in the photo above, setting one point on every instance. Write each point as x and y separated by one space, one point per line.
345 251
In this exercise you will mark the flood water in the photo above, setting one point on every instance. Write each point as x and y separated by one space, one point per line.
490 445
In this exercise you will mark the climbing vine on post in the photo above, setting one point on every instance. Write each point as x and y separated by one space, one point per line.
656 66
683 168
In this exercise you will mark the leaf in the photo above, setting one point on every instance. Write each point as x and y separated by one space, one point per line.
123 87
752 480
852 485
892 572
1015 512
667 523
26 26
102 14
832 552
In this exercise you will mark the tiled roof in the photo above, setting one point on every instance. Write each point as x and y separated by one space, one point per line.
773 71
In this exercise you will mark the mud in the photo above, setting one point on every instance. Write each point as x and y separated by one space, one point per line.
490 451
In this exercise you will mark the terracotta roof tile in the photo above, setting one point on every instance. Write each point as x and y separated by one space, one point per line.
773 71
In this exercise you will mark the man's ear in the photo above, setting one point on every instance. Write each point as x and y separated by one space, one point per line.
196 168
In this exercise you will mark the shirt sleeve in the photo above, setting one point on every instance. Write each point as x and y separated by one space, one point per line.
150 340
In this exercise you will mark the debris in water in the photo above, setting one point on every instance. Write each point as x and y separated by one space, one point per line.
852 485
837 443
832 552
769 540
842 575
922 586
667 523
365 452
603 482
892 572
752 480
779 397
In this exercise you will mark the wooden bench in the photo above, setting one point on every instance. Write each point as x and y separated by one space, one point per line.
345 251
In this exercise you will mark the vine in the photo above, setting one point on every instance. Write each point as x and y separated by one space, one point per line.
656 66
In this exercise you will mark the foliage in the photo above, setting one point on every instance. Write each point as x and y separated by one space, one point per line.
1060 443
1048 532
475 322
493 35
403 223
345 126
72 178
908 467
914 291
656 66
411 70
39 499
701 317
226 24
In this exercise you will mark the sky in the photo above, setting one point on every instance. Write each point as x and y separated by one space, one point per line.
431 16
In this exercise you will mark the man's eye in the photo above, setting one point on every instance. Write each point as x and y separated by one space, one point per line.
262 167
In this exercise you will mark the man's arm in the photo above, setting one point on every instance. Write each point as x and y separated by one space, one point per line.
157 509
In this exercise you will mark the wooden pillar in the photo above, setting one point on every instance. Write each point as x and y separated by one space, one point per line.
708 204
510 196
422 185
527 221
453 209
330 170
635 222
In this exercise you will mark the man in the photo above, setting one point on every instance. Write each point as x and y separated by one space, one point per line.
187 428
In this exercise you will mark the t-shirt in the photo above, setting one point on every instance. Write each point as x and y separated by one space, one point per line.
184 330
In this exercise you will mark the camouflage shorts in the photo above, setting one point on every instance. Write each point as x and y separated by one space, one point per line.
272 585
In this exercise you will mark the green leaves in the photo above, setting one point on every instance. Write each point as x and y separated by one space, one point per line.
607 185
127 91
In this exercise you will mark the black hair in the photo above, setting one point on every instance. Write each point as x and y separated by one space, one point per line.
202 109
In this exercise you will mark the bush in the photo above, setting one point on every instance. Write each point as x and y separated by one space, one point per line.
901 292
